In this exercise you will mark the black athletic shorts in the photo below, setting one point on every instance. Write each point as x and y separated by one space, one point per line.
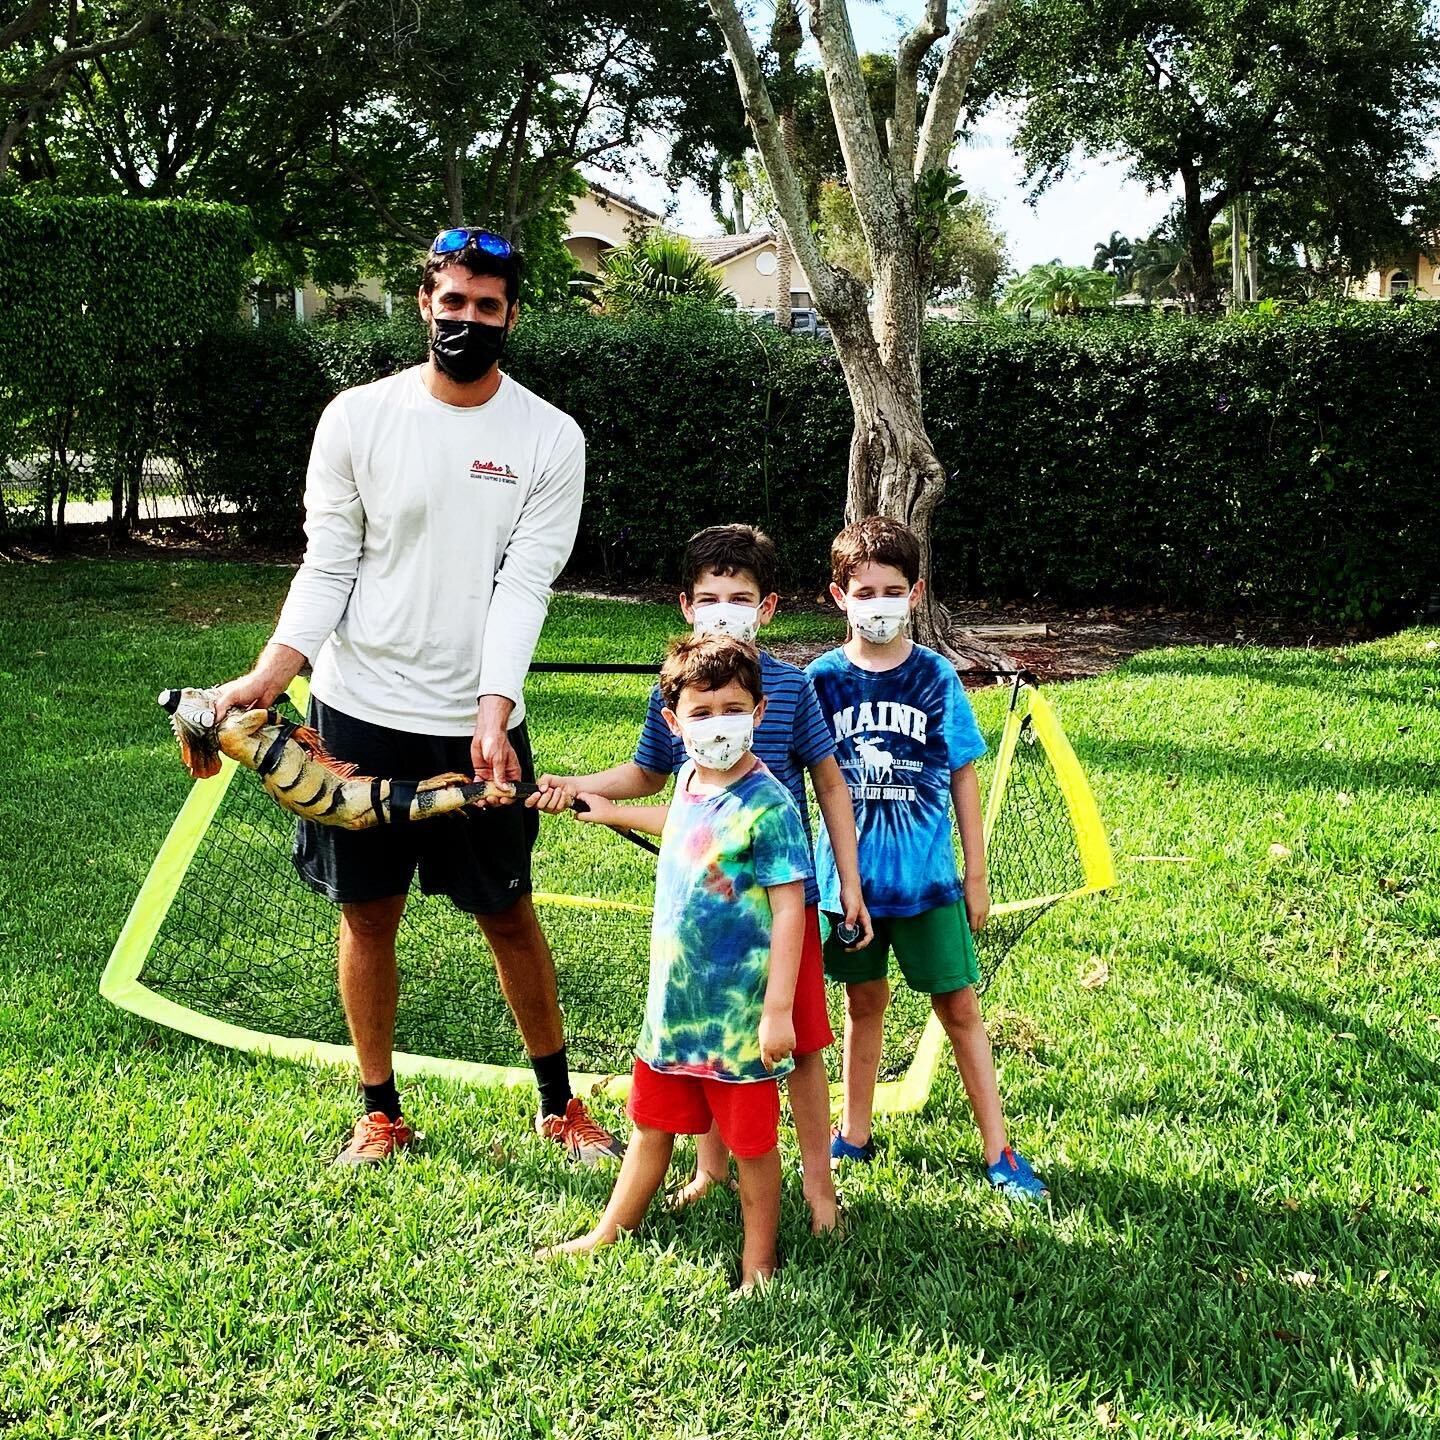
479 858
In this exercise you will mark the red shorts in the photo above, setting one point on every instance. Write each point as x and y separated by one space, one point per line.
811 1015
747 1114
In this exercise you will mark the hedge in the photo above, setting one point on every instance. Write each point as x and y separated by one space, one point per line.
102 301
1285 462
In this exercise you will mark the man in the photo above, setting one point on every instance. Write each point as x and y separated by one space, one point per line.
440 505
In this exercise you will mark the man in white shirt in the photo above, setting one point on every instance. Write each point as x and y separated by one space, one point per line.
440 505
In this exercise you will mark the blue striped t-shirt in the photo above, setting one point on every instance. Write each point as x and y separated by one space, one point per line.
792 737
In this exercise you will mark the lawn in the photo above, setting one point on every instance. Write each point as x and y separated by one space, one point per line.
1238 1125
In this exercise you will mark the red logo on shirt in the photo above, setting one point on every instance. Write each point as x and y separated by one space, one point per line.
492 471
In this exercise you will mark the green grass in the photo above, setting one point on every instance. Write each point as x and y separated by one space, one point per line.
1239 1126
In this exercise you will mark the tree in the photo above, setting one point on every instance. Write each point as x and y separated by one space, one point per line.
1059 289
41 46
353 129
897 188
1116 256
654 272
1323 107
966 260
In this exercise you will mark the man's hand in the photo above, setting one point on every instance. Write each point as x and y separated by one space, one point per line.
777 1036
977 902
853 904
277 666
491 753
554 795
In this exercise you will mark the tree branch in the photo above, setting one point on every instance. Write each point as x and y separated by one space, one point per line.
937 135
784 183
25 24
865 168
913 49
398 227
279 42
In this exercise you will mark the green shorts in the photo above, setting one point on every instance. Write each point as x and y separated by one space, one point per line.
935 950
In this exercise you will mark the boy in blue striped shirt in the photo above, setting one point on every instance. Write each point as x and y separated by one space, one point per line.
729 588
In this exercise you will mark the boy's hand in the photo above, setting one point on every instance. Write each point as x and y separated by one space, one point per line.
777 1037
599 811
856 915
977 902
553 795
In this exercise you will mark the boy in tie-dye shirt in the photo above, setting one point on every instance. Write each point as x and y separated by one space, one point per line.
724 949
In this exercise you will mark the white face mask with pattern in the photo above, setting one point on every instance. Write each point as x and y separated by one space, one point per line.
719 741
879 619
722 618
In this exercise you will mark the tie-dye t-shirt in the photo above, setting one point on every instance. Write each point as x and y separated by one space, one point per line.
710 942
899 734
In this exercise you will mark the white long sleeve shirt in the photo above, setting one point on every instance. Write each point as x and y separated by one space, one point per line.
434 533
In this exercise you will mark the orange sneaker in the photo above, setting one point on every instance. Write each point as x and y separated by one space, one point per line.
376 1138
582 1138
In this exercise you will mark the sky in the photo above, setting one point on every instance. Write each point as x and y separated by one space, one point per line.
1065 224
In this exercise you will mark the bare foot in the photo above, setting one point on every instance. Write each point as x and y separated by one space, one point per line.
824 1213
697 1189
581 1245
757 1279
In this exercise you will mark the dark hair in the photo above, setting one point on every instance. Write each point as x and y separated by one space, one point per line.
478 262
875 540
727 550
709 662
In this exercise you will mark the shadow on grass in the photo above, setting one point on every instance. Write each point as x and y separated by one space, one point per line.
1371 679
1410 1068
1269 769
1197 1296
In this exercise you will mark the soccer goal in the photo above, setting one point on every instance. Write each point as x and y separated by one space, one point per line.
225 943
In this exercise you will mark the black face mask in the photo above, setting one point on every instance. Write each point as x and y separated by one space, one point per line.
466 349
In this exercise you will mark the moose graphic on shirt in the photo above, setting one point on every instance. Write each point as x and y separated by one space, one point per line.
879 764
880 740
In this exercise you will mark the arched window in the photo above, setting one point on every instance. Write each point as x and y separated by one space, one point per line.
1400 283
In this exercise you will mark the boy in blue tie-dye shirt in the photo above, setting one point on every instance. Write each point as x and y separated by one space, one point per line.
725 948
907 743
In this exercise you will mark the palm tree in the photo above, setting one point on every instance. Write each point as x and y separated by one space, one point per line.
1115 256
1058 289
652 272
1162 269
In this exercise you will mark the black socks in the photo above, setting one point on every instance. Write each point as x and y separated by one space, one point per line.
383 1097
552 1074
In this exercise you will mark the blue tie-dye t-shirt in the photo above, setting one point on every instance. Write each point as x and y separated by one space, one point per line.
899 735
710 940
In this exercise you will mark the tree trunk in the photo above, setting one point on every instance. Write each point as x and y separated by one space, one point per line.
893 468
1237 283
1198 215
784 265
1252 255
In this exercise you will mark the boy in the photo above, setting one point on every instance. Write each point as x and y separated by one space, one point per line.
728 586
724 949
908 742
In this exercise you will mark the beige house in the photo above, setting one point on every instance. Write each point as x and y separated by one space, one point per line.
1414 274
601 220
748 264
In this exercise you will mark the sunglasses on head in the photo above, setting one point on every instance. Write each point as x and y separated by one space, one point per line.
451 242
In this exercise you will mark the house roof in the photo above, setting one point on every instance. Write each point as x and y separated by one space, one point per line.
718 249
604 193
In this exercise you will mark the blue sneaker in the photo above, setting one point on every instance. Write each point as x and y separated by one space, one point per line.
1012 1176
841 1150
